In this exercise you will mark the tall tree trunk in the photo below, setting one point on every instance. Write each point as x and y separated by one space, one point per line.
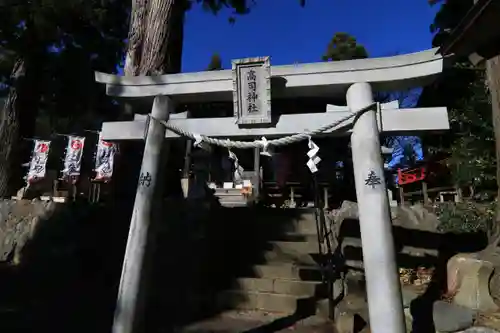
493 79
135 37
163 37
17 120
155 37
156 34
9 131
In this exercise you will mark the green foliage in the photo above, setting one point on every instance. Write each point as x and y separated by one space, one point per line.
448 17
50 21
472 152
7 59
469 145
239 7
344 47
465 216
66 41
215 63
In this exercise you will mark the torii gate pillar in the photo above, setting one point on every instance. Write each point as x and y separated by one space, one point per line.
131 295
382 281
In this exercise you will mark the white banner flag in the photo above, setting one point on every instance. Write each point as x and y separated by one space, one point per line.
73 158
104 160
38 163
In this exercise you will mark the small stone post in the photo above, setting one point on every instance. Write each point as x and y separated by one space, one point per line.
131 294
382 280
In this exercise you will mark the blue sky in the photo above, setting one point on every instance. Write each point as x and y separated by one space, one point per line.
289 33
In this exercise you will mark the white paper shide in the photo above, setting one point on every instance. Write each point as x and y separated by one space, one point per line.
104 160
314 159
73 158
38 163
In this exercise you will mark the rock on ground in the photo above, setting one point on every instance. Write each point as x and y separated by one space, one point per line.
452 318
469 281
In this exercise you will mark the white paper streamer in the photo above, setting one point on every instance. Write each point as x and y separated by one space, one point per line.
199 143
73 158
314 159
238 169
104 160
38 163
266 151
198 139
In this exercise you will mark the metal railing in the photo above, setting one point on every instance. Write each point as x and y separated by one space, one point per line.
326 253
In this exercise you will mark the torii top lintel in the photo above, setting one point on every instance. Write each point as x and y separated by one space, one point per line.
322 79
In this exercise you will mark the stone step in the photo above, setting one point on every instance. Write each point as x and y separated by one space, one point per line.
300 221
304 224
275 221
408 250
357 264
222 192
277 257
295 247
261 301
288 272
233 203
292 236
257 321
231 198
281 286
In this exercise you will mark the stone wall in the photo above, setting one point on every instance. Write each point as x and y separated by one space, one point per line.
60 264
19 220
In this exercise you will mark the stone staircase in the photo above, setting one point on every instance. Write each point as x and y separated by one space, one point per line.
288 278
231 197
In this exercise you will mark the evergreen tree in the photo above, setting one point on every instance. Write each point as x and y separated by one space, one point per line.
473 142
470 142
344 47
215 63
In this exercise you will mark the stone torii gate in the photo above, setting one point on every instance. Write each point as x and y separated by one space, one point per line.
248 85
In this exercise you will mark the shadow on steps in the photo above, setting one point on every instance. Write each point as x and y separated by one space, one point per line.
69 272
198 260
